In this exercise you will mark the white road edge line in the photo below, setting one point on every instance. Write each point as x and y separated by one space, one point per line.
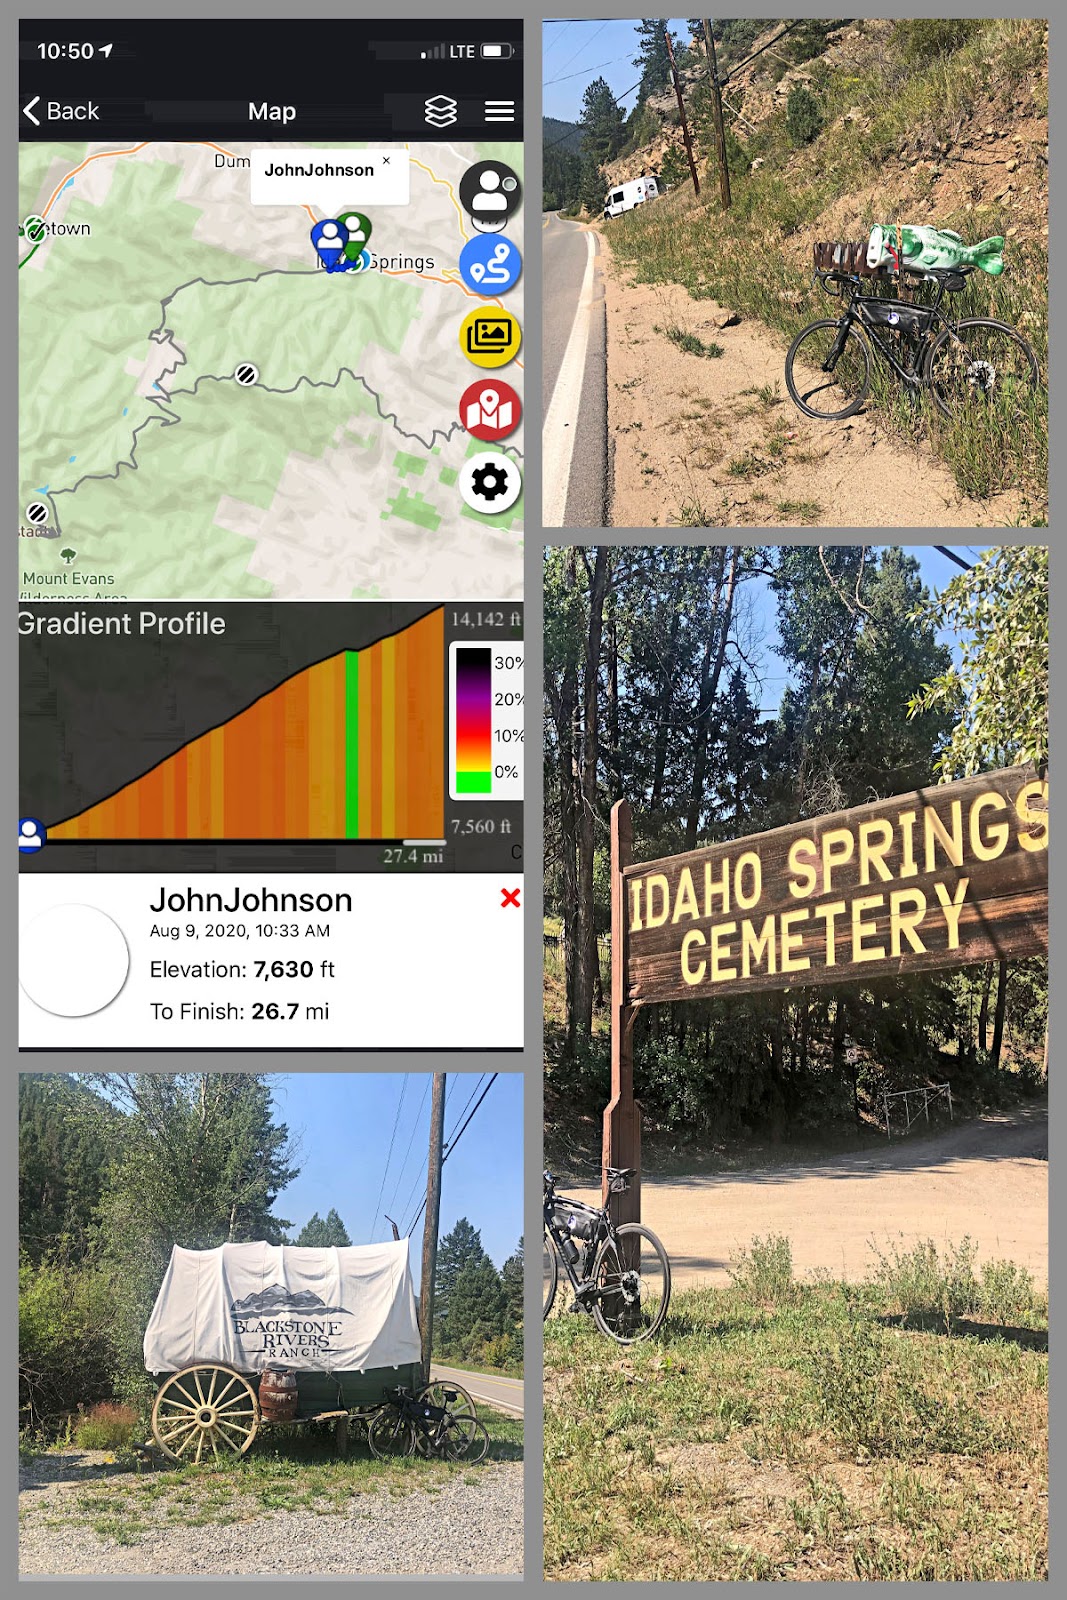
495 1402
561 423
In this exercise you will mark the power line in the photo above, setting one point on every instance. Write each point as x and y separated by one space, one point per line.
568 23
478 1083
585 45
420 1175
411 1141
582 71
389 1157
422 1172
456 1137
453 1143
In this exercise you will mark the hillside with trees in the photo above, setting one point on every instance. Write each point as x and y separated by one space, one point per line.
654 692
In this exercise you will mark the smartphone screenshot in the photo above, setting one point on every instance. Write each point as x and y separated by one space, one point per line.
270 534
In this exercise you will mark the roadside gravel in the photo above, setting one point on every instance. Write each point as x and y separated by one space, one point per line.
472 1523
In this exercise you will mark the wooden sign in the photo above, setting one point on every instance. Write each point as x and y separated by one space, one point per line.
942 877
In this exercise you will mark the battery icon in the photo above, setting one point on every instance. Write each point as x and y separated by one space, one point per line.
496 52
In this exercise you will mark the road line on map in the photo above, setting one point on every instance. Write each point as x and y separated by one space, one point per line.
561 423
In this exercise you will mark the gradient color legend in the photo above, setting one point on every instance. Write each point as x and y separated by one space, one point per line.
473 696
486 720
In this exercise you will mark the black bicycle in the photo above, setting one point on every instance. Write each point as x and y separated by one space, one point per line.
972 366
438 1421
620 1275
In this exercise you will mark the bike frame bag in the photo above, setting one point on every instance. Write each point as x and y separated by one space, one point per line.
574 1218
894 315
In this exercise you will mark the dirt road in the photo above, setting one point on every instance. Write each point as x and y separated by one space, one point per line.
987 1178
716 441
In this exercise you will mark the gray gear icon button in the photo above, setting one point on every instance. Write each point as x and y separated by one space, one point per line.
490 483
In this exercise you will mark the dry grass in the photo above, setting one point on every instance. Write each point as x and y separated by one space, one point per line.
782 1431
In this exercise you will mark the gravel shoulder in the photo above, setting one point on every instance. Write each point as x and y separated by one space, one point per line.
723 436
72 1509
987 1179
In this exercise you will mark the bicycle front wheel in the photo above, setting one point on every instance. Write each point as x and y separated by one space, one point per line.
981 368
633 1280
549 1278
390 1435
464 1439
828 395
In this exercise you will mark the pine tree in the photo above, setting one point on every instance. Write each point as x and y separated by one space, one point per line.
477 1308
602 123
652 57
458 1249
317 1234
511 1280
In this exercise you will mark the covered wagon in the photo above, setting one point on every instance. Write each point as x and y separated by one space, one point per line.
248 1334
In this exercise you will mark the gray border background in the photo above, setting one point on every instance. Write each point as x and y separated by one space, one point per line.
531 1060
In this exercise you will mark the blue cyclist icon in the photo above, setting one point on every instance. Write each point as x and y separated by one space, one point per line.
330 238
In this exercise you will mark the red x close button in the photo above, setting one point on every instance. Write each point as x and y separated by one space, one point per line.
511 898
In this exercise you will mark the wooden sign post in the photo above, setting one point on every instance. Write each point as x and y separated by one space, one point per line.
943 877
622 1119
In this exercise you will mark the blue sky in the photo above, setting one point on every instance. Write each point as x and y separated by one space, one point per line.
574 53
937 571
345 1120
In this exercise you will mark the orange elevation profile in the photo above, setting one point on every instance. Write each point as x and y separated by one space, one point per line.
351 748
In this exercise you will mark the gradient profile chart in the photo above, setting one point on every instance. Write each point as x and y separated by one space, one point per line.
486 721
349 748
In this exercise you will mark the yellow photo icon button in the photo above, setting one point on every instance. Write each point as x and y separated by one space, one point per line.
490 338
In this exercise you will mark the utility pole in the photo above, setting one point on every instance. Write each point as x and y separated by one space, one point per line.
433 1218
681 112
716 111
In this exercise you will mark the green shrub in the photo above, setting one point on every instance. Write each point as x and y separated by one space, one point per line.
66 1339
1007 1292
921 40
803 116
764 1272
106 1426
921 1282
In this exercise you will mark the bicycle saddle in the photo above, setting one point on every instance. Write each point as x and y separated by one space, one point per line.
619 1172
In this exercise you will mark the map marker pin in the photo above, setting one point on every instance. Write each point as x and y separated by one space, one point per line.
359 229
329 238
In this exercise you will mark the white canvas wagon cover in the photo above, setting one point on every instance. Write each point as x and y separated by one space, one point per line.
258 1305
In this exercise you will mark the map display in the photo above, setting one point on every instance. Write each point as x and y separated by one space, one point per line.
222 397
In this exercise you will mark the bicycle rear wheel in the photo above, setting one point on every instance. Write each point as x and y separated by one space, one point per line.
390 1435
828 396
633 1279
549 1278
981 368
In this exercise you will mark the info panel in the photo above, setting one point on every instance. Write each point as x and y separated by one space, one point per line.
270 535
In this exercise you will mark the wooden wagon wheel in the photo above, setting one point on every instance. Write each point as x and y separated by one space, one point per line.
205 1407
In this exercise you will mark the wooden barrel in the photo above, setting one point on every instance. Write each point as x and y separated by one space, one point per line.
278 1395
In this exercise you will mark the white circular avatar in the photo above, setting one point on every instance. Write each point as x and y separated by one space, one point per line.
73 960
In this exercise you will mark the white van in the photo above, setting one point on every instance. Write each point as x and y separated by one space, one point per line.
631 194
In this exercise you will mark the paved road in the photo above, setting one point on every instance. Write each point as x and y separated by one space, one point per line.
504 1393
574 378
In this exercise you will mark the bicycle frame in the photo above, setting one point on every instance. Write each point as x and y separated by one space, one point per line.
910 375
582 1286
